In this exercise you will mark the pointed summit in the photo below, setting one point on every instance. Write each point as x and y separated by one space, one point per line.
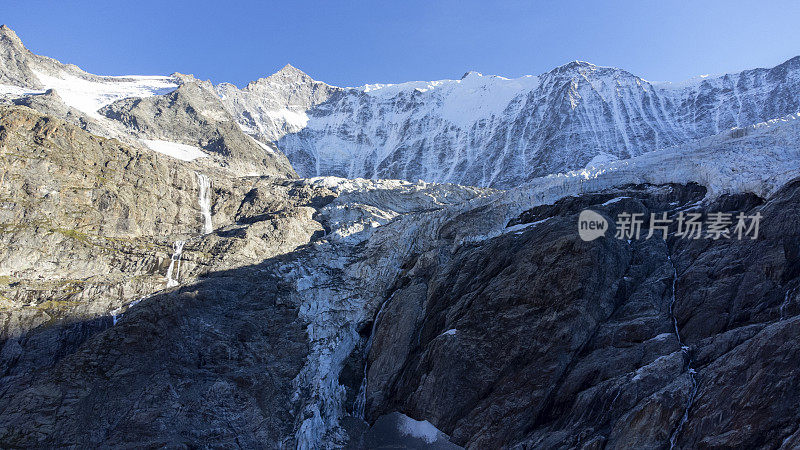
15 61
9 37
572 66
289 69
288 75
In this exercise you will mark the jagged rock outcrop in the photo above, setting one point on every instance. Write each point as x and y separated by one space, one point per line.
537 339
192 114
14 69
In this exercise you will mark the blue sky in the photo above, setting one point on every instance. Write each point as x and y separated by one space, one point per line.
356 42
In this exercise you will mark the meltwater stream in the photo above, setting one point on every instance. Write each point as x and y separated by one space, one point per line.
174 270
685 349
361 399
205 201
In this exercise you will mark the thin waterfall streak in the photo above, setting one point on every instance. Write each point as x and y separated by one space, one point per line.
204 198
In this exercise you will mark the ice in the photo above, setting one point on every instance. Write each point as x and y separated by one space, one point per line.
178 151
601 158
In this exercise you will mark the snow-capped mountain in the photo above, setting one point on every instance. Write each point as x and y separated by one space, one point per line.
492 131
478 130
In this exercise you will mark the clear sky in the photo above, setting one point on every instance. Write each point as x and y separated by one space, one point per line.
349 43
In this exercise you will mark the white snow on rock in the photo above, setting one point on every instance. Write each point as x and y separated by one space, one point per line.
16 91
178 151
493 131
88 96
264 146
419 428
600 159
461 102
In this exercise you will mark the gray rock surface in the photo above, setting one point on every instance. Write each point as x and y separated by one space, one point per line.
193 115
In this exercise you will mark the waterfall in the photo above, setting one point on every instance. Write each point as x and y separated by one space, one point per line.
361 399
787 300
175 264
685 349
205 201
117 313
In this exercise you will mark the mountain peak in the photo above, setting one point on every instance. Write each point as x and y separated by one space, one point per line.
288 74
7 34
290 70
574 65
471 73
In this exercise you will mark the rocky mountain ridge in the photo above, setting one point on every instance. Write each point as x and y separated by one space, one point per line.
176 300
478 130
491 131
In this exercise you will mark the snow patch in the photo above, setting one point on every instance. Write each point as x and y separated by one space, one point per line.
419 429
89 96
178 151
264 146
600 159
16 91
461 102
296 120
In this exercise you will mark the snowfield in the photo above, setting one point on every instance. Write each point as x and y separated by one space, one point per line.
89 96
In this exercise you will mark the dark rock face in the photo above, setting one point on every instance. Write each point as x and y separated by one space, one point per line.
538 339
206 365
